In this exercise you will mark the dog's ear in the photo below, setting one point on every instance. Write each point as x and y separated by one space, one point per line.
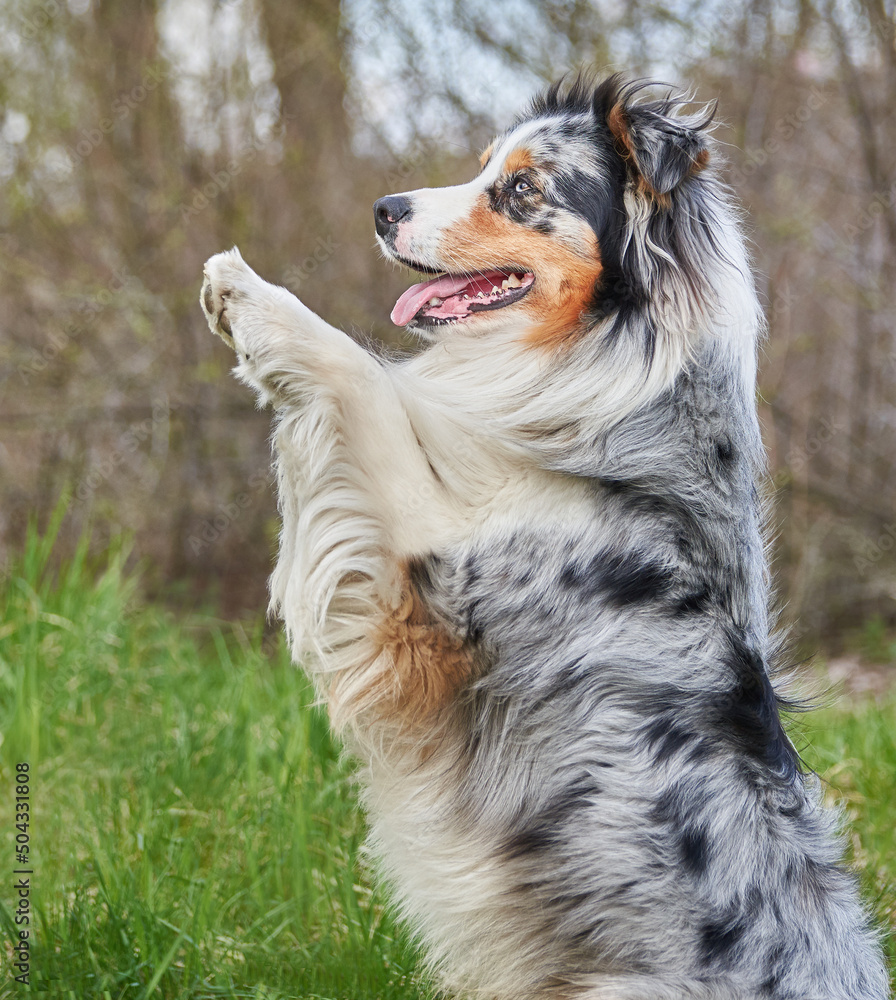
661 151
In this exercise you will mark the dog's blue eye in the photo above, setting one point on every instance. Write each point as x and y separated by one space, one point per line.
521 186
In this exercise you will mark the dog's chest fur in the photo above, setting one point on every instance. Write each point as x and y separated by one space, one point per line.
597 605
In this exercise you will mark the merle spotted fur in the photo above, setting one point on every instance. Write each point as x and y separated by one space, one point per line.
608 807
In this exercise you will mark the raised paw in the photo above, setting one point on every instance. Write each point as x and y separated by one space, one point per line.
224 279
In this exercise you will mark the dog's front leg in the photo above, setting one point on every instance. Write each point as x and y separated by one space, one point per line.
288 353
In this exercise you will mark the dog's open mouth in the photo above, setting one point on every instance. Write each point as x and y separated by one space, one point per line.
453 297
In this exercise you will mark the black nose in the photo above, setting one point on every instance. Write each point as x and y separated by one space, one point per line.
389 210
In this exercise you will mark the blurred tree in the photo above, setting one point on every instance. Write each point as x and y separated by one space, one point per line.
139 137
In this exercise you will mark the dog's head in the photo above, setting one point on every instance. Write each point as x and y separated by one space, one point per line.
541 240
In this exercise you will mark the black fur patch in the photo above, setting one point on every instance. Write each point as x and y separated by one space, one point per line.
546 829
666 737
694 602
725 451
641 500
719 939
748 714
680 803
623 578
423 572
600 202
695 850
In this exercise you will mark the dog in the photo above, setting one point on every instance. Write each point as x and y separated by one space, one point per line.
525 568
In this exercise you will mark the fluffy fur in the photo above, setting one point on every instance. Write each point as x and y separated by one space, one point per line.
525 569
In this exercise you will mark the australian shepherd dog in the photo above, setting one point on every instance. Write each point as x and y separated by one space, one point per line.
525 568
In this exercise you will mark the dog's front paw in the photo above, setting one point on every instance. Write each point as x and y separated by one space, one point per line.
224 276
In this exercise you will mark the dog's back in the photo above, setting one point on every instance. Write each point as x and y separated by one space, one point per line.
611 804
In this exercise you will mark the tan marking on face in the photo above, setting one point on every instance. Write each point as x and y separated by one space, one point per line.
564 278
417 667
485 156
519 159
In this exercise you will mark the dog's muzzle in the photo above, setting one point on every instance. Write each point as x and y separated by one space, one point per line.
389 211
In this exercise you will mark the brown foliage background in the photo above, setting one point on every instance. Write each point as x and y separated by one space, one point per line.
138 138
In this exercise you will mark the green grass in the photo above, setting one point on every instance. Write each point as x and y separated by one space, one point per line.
852 746
194 832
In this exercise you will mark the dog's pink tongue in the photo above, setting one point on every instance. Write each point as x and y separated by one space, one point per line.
411 302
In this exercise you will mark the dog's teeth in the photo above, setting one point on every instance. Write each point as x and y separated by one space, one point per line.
480 295
435 301
466 298
513 282
494 290
505 284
